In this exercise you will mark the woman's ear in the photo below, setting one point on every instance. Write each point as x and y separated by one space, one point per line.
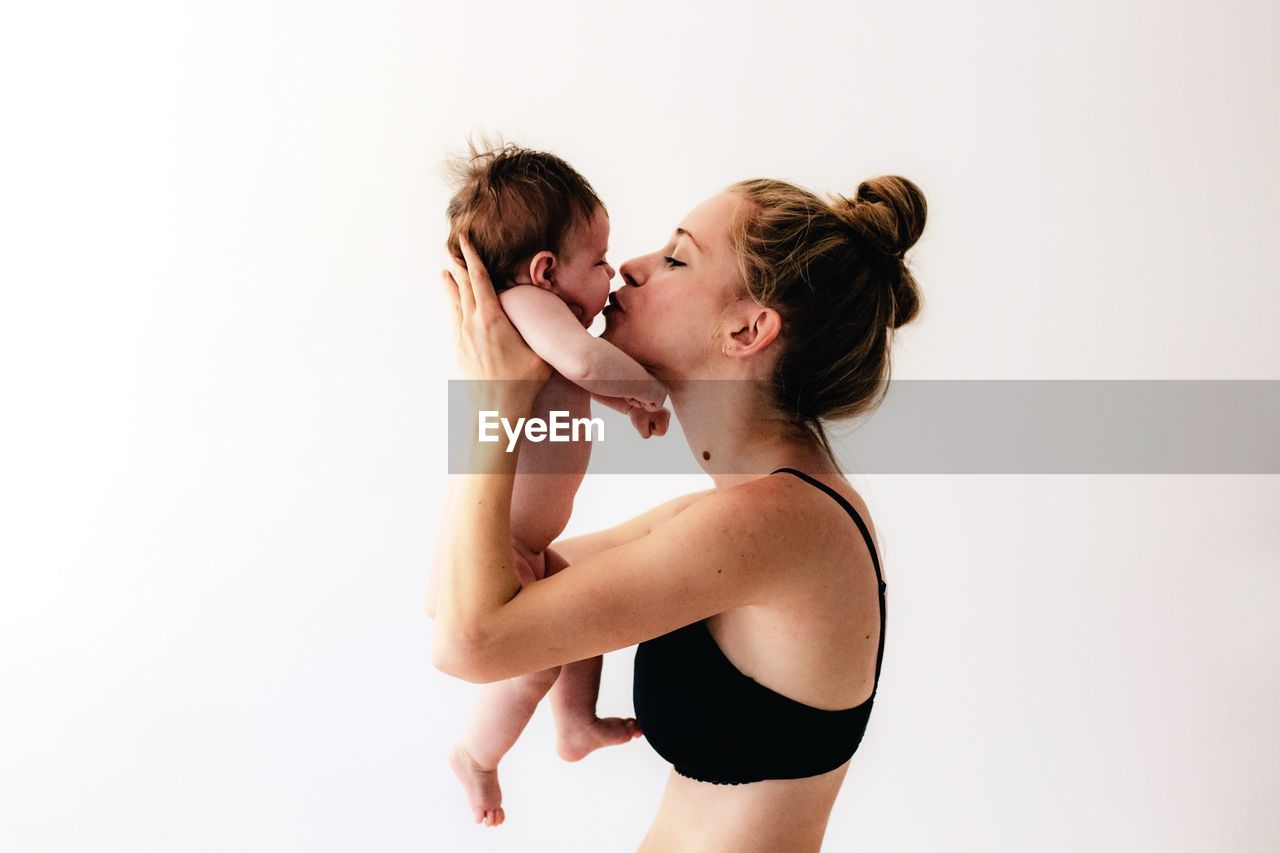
752 327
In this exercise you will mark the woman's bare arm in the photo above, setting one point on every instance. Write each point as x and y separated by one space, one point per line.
572 550
437 553
718 553
579 548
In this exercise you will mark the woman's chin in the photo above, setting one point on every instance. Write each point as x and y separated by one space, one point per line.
614 332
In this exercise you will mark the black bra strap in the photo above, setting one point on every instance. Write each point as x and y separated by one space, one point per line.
871 546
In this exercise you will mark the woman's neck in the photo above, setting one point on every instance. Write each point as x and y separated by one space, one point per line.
734 449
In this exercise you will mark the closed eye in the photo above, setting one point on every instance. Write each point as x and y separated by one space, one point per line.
672 262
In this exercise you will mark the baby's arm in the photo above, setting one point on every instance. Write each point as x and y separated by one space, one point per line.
550 329
646 423
616 403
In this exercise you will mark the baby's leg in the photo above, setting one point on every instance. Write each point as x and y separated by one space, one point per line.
501 713
579 732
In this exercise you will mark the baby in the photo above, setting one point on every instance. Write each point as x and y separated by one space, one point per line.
542 234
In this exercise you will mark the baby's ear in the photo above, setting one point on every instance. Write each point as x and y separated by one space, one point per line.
542 271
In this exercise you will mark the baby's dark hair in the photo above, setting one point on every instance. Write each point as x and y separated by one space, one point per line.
512 203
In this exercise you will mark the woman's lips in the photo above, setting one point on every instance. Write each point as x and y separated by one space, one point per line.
614 302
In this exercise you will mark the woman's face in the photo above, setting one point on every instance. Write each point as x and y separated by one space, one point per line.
667 312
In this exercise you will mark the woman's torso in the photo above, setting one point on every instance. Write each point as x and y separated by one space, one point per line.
816 642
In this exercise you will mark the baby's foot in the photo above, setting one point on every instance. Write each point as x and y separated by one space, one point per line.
580 740
481 786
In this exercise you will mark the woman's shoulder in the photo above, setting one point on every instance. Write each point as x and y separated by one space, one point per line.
776 497
783 490
810 518
761 499
771 524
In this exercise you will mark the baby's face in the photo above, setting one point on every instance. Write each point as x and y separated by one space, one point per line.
583 275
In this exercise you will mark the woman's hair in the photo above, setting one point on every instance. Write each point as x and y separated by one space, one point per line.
834 270
512 203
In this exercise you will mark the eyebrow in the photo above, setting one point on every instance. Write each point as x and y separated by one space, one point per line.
690 236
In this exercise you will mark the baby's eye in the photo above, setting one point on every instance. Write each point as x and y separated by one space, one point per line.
672 262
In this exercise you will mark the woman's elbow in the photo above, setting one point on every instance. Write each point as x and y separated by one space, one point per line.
453 661
448 662
461 659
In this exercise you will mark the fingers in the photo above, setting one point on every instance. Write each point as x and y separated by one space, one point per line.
451 300
481 286
462 281
640 420
659 421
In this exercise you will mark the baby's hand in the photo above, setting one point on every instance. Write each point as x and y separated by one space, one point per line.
653 397
649 404
649 423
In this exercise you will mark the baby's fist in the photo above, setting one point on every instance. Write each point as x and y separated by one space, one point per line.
650 423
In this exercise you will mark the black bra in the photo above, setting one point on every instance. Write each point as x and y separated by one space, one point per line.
715 724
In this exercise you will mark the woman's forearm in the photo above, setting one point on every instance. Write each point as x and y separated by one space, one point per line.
438 552
478 573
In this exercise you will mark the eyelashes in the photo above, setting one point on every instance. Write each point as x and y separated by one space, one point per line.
672 262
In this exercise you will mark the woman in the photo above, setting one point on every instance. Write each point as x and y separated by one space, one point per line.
757 605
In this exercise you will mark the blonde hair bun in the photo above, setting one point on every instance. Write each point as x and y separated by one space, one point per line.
887 212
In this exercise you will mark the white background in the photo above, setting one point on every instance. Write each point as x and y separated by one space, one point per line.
224 357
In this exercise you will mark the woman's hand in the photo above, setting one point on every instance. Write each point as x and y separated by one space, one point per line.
488 346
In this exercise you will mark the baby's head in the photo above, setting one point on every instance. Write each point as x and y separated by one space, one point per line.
532 219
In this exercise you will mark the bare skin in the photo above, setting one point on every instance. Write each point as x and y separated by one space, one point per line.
769 644
551 305
783 576
503 710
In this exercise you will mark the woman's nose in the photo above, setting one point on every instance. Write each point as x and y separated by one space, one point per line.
629 270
